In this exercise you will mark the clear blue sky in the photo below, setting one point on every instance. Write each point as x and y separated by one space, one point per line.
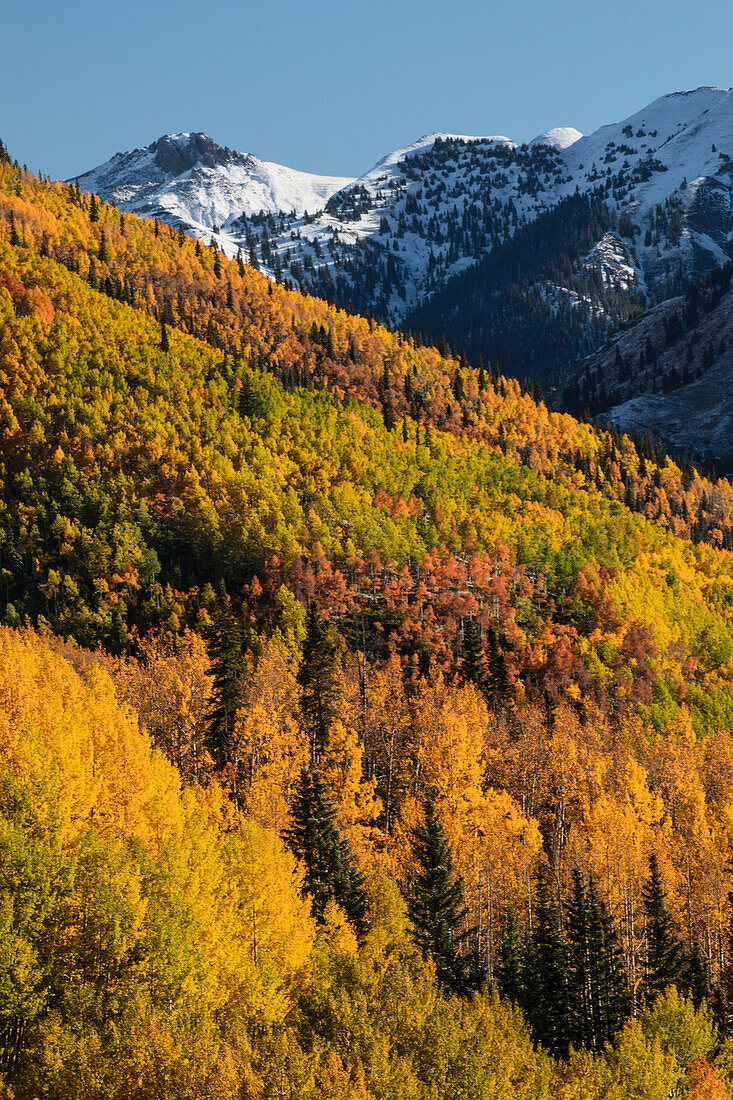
331 86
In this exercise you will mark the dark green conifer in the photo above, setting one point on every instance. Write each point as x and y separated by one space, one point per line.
498 681
545 974
164 341
224 644
612 1002
436 909
664 955
473 658
318 681
93 208
723 996
695 980
330 873
581 966
509 970
597 984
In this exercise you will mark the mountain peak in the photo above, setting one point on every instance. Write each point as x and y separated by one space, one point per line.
177 153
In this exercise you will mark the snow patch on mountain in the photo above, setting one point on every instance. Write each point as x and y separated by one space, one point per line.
396 157
559 137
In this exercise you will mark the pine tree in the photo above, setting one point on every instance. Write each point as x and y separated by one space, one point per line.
694 978
723 996
473 662
582 957
224 646
545 976
93 208
509 971
498 675
597 982
318 682
14 238
330 874
612 1003
436 909
164 341
664 959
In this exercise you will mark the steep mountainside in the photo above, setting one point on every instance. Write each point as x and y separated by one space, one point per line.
409 241
373 741
670 372
173 420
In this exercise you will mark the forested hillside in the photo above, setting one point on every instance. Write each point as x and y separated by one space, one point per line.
432 792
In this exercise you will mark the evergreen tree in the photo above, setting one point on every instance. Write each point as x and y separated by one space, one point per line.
723 995
664 958
509 971
93 208
498 673
14 238
330 874
611 1000
318 682
225 649
473 663
164 341
436 909
695 980
545 977
597 982
582 956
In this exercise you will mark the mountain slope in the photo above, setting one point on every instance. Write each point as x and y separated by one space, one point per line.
670 372
392 242
190 451
284 447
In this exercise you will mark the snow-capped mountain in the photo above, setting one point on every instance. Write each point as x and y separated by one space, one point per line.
426 212
531 255
189 180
